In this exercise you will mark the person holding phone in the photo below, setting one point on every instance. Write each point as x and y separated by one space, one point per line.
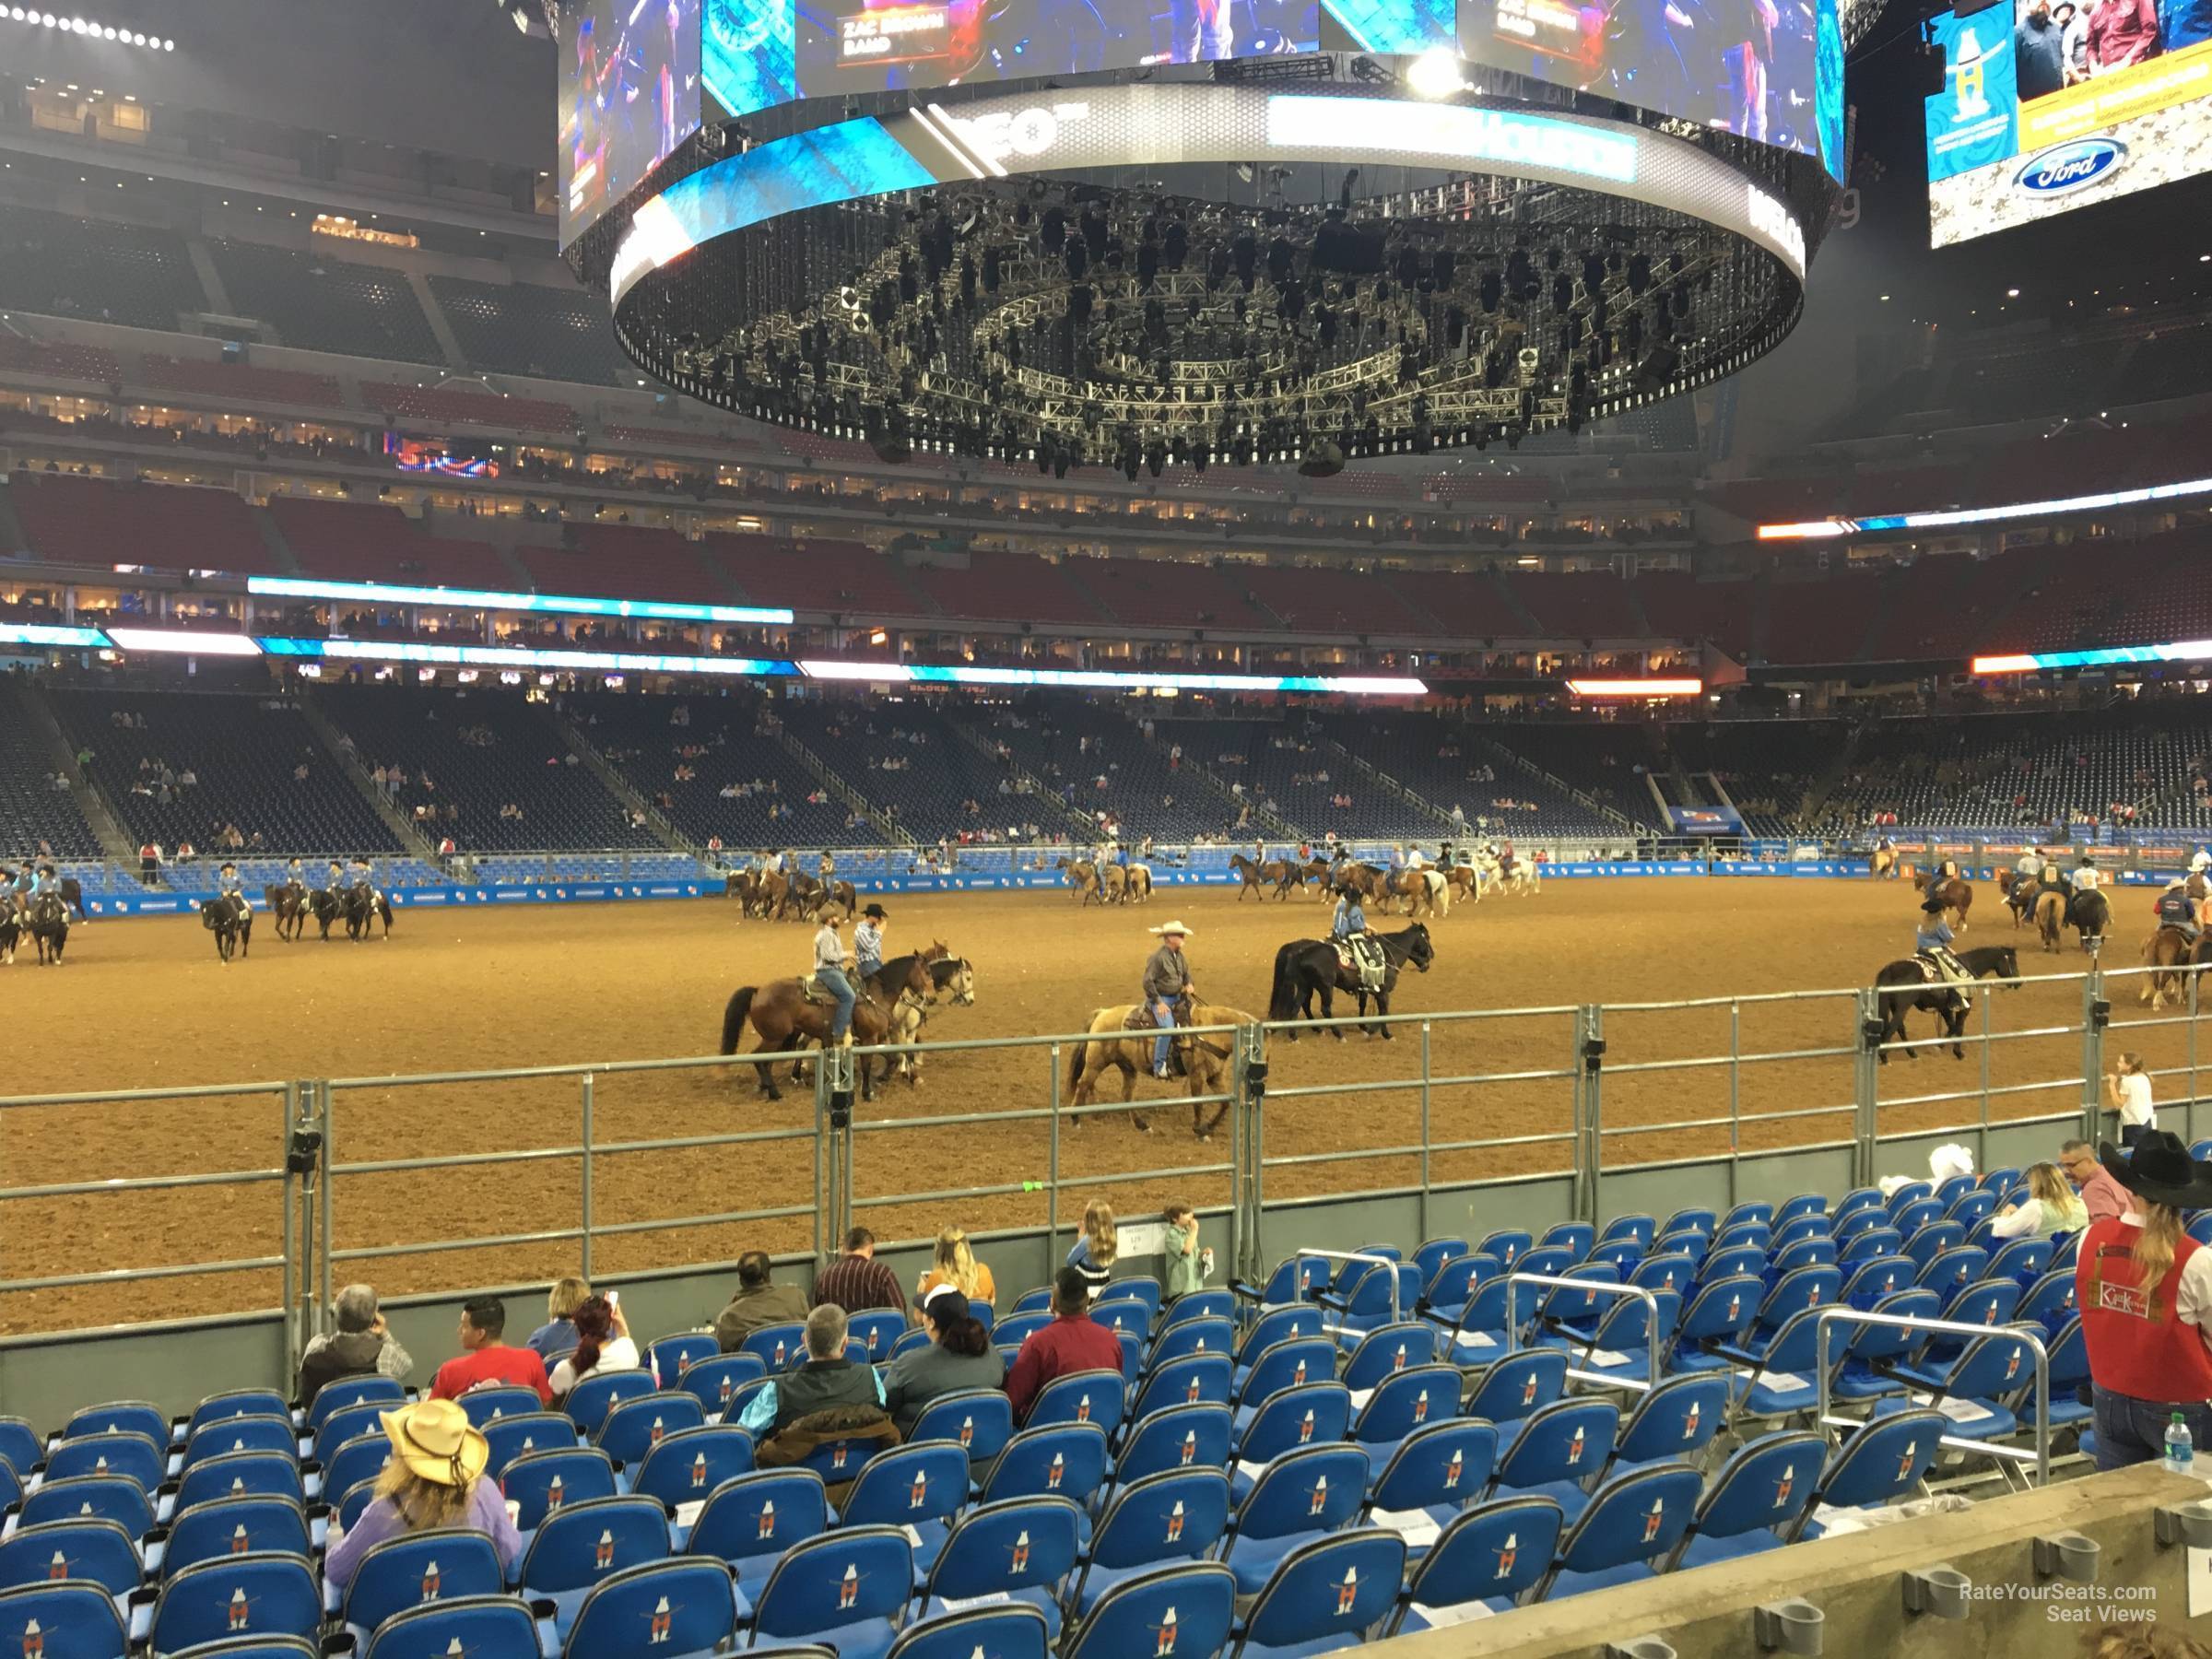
2127 1092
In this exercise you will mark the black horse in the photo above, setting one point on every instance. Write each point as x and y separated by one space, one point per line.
230 919
1905 988
1306 966
47 922
361 908
289 905
2090 915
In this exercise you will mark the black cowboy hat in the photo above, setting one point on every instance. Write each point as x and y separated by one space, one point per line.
2161 1169
877 912
1934 906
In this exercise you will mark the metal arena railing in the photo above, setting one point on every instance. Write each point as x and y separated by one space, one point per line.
1646 1104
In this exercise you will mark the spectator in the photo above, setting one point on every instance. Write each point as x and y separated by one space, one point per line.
2049 1208
1093 1253
958 1356
857 1281
557 1335
2100 1194
1071 1343
829 1378
1186 1263
758 1304
603 1344
485 1356
955 1266
435 1478
361 1346
2127 1092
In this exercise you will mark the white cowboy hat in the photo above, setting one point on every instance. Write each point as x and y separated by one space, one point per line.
437 1442
1171 927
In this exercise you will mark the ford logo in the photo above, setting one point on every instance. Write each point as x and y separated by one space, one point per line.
2070 165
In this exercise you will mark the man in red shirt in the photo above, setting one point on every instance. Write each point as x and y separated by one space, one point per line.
857 1281
2102 1196
1071 1343
2121 33
487 1359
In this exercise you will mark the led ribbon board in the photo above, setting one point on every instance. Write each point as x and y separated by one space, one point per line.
44 633
377 593
1822 529
2028 662
506 656
1157 123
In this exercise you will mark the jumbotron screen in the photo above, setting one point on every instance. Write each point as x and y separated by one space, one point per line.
629 96
2049 105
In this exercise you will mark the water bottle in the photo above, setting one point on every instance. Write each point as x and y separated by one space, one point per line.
2181 1450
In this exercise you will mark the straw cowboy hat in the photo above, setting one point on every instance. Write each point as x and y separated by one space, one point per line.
435 1439
1171 927
2161 1169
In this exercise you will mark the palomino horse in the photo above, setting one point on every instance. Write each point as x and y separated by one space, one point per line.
784 1017
2049 915
1958 896
288 905
1882 862
1082 879
1124 883
1123 1037
230 919
1905 987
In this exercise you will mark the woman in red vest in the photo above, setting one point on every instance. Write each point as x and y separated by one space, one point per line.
2145 1289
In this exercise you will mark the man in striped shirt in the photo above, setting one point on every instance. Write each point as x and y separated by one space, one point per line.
857 1281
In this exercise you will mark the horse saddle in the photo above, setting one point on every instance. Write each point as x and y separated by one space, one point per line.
1139 1017
1362 954
810 987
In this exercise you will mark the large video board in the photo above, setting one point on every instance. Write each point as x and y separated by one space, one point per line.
629 73
2049 106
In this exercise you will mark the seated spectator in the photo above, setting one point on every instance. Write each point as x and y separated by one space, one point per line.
959 1355
955 1266
603 1344
759 1302
360 1347
557 1335
2049 1208
1071 1343
829 1378
857 1281
1093 1253
485 1356
435 1478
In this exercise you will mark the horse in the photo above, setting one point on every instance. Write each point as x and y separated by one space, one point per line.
288 905
2169 953
325 906
1905 987
1123 1038
801 893
1082 879
1278 873
842 894
1464 881
361 907
1422 890
2049 915
904 985
2090 915
230 919
1958 896
2019 896
780 1012
46 919
1140 883
1114 879
954 977
1305 966
1882 862
11 930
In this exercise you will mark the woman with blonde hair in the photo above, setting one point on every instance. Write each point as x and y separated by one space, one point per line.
1094 1253
557 1335
955 1266
2051 1207
435 1478
2145 1289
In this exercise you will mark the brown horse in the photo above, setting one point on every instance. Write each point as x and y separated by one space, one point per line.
784 1017
1082 879
1123 1037
2169 953
1958 896
288 905
2019 896
2050 916
1281 874
1423 892
1465 882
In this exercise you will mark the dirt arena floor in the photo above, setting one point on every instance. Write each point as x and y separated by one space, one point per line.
145 1004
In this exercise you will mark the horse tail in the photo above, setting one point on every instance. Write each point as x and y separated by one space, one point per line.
1075 1062
1439 893
733 1018
1282 999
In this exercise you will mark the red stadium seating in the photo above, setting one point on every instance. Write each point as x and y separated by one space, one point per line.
469 408
101 522
626 561
356 541
1466 607
1680 606
59 360
1595 607
1821 621
1169 593
1331 600
813 575
235 381
1002 587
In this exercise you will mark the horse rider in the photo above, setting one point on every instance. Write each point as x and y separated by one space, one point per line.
229 886
826 867
2029 870
830 973
2052 879
334 883
295 879
1143 851
2175 909
1932 945
868 943
1414 858
1884 844
1167 983
2200 863
1350 919
363 876
2088 877
47 883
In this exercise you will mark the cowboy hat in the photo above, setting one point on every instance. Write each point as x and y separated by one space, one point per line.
436 1442
877 912
1934 906
1171 927
2161 1169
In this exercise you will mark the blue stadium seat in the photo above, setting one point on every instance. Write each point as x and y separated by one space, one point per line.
1759 1493
1289 1364
241 1475
238 1596
1674 1271
635 1423
1698 1218
256 1647
978 1421
1011 1631
343 1423
845 1590
1788 1258
1453 1283
774 1345
1182 1336
417 1568
70 1621
1507 1244
1434 1472
690 1463
751 1521
20 1448
1620 1344
1039 1301
1387 1349
1433 1253
1199 1304
98 1552
684 1609
360 1458
1285 1323
105 1497
1483 1562
482 1404
1631 1522
510 1437
1478 1330
1518 1386
1067 1460
242 1434
1315 1415
235 1402
1719 1315
1873 1350
715 1380
234 1527
1187 1611
1803 1205
593 1400
670 1359
1299 1496
877 1331
542 1482
1404 1403
1375 1295
1558 1450
120 1416
1577 1238
1675 1422
1182 1437
1193 1379
1881 1462
1178 1516
2026 1260
580 1544
1990 1368
1324 1595
1874 1280
1025 1549
487 1627
919 1487
126 1456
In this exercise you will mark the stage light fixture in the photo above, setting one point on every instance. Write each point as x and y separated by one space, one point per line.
1436 74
